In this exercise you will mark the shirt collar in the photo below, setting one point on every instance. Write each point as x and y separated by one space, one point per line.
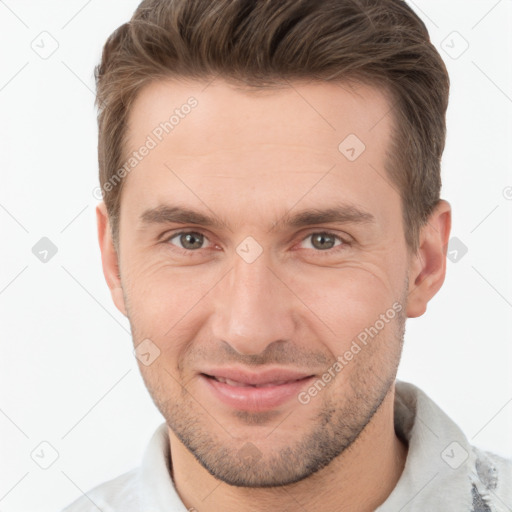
436 475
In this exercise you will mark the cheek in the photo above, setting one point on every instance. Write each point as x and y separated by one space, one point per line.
348 300
169 304
165 301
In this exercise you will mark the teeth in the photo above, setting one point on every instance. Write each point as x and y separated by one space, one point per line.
244 385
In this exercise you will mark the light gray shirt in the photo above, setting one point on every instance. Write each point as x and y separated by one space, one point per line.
443 472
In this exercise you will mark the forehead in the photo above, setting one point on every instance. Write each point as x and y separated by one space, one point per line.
326 110
211 140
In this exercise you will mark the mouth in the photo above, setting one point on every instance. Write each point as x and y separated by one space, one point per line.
265 395
236 383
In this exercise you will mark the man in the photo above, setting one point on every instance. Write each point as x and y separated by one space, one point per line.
271 177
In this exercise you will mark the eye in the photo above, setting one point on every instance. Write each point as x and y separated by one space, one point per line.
324 241
188 240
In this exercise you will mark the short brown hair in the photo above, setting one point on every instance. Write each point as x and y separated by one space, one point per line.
265 43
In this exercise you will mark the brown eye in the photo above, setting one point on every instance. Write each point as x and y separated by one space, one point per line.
189 240
323 241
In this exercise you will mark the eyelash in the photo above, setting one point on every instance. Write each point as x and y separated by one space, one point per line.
327 252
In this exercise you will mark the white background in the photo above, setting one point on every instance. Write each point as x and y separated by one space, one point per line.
67 373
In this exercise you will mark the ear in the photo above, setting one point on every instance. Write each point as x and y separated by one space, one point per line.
427 267
109 258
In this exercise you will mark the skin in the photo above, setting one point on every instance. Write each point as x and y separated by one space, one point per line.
250 158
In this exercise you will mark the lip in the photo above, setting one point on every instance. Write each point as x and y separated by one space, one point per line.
256 379
278 387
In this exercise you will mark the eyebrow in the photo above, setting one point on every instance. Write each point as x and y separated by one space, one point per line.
343 214
164 214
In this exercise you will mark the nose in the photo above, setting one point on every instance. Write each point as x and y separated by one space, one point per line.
254 307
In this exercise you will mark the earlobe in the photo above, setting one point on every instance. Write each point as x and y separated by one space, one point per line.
427 269
109 258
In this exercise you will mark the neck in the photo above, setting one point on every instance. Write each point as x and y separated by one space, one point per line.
360 479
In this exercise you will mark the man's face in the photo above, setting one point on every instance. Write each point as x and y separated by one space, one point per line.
257 291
